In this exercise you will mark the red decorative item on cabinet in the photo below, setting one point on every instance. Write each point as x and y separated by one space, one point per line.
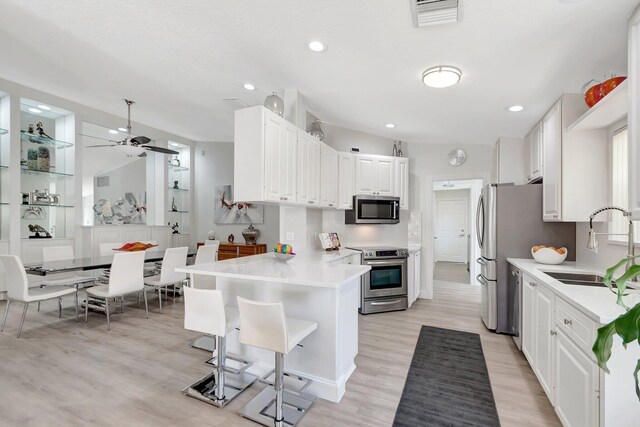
611 84
593 94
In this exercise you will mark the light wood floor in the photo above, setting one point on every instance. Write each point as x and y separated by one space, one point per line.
451 272
68 374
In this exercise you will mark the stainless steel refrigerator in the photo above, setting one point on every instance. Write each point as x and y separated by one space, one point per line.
509 223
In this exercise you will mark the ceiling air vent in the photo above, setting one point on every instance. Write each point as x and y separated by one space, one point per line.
434 12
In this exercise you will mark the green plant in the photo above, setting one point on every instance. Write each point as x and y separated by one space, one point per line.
627 325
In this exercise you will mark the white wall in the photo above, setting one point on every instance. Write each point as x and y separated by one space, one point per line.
608 253
213 167
429 164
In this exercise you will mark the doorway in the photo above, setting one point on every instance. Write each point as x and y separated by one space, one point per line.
454 236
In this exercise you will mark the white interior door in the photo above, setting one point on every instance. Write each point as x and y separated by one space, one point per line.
451 230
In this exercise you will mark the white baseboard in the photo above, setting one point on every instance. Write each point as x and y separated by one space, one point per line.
423 295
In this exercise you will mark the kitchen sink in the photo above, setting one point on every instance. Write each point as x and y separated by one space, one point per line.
579 279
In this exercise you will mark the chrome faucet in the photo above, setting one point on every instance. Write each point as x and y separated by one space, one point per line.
593 242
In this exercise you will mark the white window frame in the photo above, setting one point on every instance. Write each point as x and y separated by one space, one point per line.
617 223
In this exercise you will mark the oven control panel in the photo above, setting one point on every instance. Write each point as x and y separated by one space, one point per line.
386 253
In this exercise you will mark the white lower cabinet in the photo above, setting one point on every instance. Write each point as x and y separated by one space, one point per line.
576 382
568 375
413 280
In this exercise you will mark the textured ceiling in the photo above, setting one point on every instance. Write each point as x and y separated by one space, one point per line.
180 59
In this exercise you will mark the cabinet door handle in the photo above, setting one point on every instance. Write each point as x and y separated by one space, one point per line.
310 202
552 332
568 322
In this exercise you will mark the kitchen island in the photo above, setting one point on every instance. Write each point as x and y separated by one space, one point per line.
310 289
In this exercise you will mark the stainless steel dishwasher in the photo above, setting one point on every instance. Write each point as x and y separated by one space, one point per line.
514 291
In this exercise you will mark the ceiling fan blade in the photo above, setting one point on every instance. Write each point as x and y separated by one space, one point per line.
95 137
160 150
141 140
100 146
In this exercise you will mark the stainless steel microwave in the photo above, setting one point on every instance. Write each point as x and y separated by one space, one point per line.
373 210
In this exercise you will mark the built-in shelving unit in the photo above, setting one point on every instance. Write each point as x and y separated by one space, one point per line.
5 143
179 176
47 162
610 110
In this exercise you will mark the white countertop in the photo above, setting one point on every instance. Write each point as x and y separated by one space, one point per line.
303 270
332 256
599 303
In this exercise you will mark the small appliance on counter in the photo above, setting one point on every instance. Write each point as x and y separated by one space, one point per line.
373 210
383 288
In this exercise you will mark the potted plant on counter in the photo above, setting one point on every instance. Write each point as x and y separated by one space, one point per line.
626 326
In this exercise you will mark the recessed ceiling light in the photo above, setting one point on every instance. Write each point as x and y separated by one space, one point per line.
111 131
249 86
44 107
316 46
390 125
441 76
516 108
34 110
122 129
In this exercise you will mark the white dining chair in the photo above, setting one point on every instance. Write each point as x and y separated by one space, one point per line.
205 254
63 253
18 289
107 249
214 243
173 258
126 277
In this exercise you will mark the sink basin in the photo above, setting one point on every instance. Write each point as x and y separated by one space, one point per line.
579 279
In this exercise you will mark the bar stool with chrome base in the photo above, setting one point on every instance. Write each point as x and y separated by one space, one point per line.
204 311
265 326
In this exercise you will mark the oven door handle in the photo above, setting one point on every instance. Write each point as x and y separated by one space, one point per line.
390 264
386 302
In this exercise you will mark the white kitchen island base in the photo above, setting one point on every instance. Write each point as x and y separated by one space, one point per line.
309 290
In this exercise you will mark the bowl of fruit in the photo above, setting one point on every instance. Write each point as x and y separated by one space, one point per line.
549 254
283 252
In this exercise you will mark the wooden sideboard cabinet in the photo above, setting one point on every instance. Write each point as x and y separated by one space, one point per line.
238 250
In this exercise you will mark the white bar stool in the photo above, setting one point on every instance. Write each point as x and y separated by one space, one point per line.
204 311
206 253
265 326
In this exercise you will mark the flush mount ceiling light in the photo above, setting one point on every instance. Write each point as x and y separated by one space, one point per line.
44 107
122 129
113 132
516 108
316 46
390 125
34 110
441 76
249 86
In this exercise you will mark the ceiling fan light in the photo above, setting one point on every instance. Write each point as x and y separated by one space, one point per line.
441 76
129 150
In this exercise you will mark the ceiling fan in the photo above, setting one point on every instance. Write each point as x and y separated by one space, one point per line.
134 146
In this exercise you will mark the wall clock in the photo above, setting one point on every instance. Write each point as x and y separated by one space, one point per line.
457 157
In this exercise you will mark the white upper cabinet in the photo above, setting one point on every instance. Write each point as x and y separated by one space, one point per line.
271 174
402 181
328 176
346 173
308 169
552 142
274 161
374 175
535 153
634 113
574 165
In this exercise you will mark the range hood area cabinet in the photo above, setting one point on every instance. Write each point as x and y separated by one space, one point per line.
375 175
575 164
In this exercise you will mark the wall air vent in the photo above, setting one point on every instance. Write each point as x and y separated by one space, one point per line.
434 12
102 181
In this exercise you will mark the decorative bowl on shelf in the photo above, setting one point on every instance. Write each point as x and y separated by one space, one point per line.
283 257
548 254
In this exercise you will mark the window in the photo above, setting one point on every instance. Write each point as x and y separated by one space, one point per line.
620 184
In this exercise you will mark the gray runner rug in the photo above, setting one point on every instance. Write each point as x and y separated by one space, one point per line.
448 383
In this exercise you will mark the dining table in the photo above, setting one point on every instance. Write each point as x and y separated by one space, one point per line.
88 263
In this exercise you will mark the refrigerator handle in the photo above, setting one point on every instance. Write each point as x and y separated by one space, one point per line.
482 280
481 261
480 211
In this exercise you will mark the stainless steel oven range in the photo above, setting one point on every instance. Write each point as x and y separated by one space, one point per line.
384 287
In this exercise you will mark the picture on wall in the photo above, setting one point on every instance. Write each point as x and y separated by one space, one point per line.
226 211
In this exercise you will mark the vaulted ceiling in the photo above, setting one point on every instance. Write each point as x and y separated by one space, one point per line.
180 59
